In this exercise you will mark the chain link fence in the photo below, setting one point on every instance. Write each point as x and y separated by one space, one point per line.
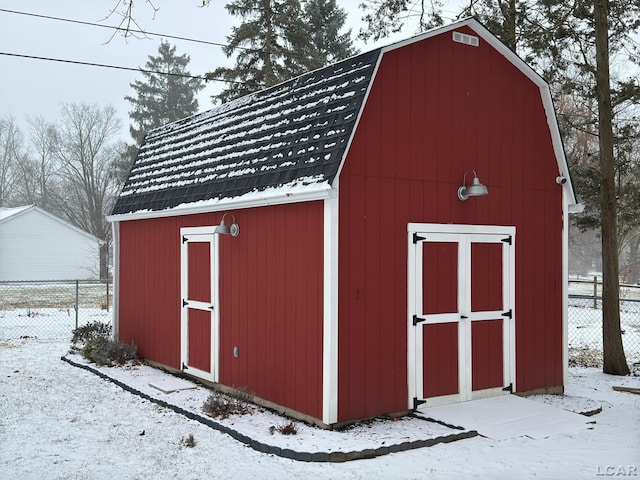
585 322
52 309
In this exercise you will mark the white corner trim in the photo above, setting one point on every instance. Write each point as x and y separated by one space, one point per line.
115 229
330 314
565 291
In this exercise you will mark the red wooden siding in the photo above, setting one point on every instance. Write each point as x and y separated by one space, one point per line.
199 339
436 109
149 287
439 293
271 305
486 276
486 363
270 298
440 359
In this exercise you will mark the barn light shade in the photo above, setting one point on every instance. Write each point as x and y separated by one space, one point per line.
476 189
223 229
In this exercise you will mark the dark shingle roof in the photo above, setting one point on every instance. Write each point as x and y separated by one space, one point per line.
289 135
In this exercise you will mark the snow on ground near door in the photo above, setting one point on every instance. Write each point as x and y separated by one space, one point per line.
60 422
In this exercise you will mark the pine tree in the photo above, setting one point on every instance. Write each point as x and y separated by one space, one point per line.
262 43
163 97
278 40
325 20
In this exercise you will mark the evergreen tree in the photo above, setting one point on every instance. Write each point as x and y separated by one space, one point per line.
324 21
278 40
262 43
161 98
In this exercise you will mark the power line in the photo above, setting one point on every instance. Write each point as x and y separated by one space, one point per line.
120 29
117 67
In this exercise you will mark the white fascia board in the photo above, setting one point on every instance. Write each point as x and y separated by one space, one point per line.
9 213
23 210
357 122
224 205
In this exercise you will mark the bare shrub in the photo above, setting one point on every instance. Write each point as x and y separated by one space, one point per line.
222 405
188 441
288 429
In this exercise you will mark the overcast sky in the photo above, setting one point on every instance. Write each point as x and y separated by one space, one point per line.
30 87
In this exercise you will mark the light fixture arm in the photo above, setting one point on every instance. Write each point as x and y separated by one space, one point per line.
223 229
476 188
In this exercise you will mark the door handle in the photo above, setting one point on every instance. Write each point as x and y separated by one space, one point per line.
463 317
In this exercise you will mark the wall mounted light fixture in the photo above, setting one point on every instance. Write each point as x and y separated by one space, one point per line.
476 189
223 229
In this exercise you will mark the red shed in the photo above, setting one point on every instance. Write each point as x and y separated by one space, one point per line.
355 279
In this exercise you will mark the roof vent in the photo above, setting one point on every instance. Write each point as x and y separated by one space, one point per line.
466 39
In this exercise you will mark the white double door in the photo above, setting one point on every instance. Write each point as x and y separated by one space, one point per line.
461 312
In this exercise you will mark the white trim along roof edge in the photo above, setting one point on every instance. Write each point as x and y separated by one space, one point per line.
28 208
211 206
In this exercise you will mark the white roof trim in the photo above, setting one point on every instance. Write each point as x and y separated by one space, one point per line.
357 123
521 65
22 210
10 212
245 201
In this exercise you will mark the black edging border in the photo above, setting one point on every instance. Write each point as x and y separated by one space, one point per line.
332 457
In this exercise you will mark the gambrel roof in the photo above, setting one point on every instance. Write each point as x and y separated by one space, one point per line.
290 136
286 142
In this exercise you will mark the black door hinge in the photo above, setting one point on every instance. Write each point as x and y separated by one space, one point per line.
417 403
508 388
508 314
184 367
184 303
507 240
184 239
417 320
417 238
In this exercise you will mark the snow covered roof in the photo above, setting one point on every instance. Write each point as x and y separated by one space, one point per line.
292 136
10 212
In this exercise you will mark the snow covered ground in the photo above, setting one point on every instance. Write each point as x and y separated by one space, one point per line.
585 327
58 421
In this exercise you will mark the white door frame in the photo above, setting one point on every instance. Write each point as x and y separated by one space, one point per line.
464 235
199 234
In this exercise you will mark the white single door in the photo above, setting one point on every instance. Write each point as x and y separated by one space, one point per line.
461 314
199 330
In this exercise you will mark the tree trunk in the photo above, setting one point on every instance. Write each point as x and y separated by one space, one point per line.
614 361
